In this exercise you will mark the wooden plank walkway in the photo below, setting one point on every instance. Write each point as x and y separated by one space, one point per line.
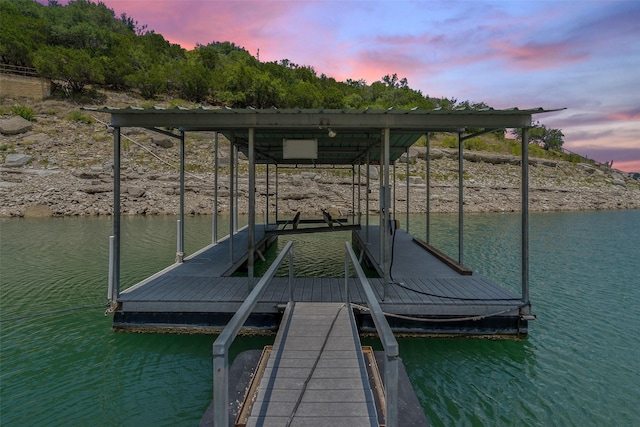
316 373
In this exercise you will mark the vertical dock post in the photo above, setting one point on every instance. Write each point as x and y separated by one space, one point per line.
382 200
252 207
214 228
353 194
266 203
368 182
460 201
110 282
276 195
408 190
393 203
428 182
237 178
525 215
231 193
116 214
387 226
359 192
180 251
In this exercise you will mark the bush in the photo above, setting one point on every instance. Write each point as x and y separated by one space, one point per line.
79 116
476 144
24 112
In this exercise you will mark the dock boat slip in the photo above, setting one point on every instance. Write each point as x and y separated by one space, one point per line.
418 289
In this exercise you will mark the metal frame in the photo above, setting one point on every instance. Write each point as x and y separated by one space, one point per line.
260 133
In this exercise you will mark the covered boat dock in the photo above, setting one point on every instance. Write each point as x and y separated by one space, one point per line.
426 293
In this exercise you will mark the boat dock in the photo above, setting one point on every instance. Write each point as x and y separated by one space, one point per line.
419 291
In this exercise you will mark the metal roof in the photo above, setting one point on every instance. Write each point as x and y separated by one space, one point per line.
343 136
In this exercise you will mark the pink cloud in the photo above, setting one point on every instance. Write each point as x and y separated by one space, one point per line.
627 165
624 116
536 56
250 24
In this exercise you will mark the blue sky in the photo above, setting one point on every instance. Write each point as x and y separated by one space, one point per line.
582 55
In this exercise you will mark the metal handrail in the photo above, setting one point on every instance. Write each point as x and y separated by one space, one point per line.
389 342
229 333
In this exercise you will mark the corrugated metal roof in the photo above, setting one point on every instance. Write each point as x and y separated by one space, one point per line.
353 132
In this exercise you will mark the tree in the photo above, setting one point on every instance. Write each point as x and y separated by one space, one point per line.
76 68
22 31
193 79
303 94
150 82
549 139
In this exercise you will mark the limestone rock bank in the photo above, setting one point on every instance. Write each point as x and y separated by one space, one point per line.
57 166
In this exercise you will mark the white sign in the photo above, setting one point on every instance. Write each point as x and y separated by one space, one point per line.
299 148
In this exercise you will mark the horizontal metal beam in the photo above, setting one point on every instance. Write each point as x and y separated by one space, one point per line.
214 120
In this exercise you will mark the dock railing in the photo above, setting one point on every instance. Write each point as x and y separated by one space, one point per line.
229 333
389 342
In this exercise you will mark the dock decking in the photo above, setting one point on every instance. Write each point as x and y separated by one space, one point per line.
316 373
198 293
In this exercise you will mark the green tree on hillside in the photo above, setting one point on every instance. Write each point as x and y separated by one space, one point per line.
84 43
23 29
75 67
549 139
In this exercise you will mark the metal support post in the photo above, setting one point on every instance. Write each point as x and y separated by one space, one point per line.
368 190
214 231
116 215
525 215
179 240
237 174
387 229
353 194
232 190
359 193
276 195
252 208
110 282
395 182
180 246
460 201
407 191
266 204
382 199
428 182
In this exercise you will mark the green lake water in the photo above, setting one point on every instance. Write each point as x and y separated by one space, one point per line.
61 364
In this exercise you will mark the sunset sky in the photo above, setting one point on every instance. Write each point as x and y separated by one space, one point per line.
582 55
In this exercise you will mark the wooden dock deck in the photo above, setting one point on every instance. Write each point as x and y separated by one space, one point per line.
428 296
316 373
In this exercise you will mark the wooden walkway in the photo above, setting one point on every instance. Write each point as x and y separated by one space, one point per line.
316 373
199 293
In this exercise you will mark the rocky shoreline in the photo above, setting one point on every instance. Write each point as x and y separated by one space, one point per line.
57 166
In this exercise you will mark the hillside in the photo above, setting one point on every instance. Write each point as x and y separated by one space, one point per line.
70 173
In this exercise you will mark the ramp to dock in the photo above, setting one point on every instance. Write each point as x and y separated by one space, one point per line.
316 373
